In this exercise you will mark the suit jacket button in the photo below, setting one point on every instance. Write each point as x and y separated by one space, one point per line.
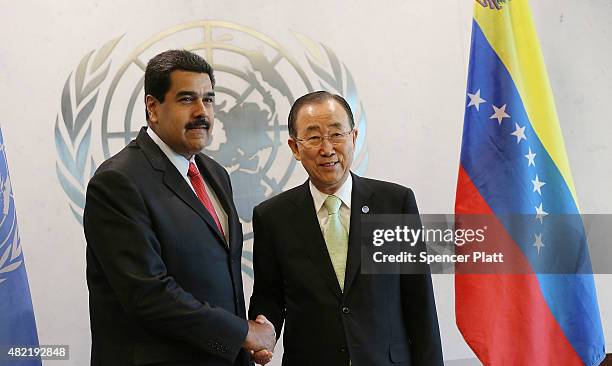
346 310
343 349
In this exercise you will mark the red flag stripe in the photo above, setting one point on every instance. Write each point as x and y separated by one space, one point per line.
531 336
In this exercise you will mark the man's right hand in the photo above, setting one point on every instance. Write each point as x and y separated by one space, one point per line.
261 335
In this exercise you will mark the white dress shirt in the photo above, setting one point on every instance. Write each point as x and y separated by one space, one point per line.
182 165
344 193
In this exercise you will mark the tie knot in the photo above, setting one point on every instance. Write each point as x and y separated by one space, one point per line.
193 171
332 203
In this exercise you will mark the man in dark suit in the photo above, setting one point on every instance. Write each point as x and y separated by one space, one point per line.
307 257
164 242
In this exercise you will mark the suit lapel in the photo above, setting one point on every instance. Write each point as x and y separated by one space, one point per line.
174 181
360 196
309 232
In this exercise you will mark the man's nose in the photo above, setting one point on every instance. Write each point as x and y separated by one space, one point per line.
203 109
327 148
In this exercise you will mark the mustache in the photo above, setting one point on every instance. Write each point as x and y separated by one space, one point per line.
198 123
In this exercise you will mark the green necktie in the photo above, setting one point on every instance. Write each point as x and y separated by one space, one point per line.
336 238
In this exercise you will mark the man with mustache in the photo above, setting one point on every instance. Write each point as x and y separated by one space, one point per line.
164 242
307 256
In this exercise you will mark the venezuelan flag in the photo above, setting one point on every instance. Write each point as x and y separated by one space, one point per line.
513 161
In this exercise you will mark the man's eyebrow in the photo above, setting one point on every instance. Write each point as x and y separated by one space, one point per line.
186 93
313 128
191 93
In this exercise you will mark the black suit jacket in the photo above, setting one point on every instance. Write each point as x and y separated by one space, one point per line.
164 287
377 320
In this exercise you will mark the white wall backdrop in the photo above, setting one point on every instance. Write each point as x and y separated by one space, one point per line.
408 60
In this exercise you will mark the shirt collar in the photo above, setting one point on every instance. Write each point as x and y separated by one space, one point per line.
344 193
178 160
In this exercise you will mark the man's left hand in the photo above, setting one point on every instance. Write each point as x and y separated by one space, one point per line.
263 356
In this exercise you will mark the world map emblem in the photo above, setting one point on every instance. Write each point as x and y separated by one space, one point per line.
258 79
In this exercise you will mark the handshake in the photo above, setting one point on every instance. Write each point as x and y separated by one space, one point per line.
260 340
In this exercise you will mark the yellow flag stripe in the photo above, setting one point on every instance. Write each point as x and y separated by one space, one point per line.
511 33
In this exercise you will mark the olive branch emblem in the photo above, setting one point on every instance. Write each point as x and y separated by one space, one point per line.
335 76
10 246
11 257
73 126
12 252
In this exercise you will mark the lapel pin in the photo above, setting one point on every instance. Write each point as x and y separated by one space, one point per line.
365 209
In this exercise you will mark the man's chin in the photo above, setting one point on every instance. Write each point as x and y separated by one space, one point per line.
196 148
198 144
332 177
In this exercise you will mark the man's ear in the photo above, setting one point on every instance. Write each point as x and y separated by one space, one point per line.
152 105
294 148
355 136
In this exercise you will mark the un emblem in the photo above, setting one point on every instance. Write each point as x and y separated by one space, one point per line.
10 245
257 82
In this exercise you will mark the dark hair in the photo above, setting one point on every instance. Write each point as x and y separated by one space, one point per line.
316 97
157 73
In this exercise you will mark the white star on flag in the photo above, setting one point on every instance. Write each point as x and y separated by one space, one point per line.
500 114
531 157
538 242
540 213
537 185
519 133
475 100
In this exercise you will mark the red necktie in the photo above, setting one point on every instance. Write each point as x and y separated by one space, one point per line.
200 190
